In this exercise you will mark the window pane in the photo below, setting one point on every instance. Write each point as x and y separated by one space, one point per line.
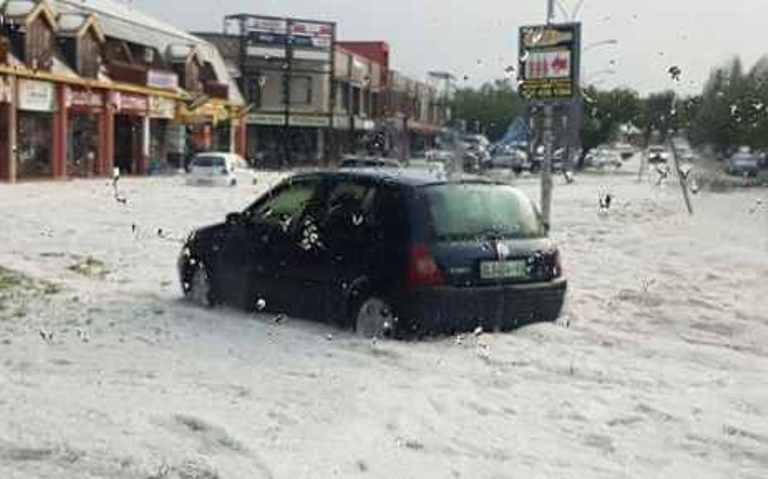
467 211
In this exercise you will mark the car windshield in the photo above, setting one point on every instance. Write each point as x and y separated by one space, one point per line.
209 161
463 211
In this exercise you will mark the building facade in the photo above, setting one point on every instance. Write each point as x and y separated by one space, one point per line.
285 68
359 97
87 86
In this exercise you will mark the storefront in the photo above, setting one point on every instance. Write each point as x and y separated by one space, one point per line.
161 113
273 145
7 128
209 127
131 151
35 124
84 108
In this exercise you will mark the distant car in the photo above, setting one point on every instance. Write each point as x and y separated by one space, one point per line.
626 151
658 154
686 154
385 252
219 169
433 167
369 162
743 164
603 158
516 160
443 156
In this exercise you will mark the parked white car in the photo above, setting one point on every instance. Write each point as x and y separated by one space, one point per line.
220 169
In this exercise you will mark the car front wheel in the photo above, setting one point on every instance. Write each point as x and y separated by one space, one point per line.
200 290
375 318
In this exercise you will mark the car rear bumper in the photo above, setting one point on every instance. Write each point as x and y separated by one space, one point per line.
219 180
448 310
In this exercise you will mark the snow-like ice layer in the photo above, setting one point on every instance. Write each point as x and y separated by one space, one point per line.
662 372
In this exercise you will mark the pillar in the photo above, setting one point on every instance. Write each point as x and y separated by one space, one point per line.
320 145
60 135
241 140
106 141
146 124
8 145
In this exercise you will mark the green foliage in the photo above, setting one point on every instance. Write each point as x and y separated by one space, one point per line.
489 109
604 113
733 108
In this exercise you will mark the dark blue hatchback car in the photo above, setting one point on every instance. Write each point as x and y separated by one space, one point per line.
386 252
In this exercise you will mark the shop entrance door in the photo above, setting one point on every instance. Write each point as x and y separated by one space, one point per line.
128 137
83 145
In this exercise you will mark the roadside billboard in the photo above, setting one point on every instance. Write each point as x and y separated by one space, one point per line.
287 31
549 61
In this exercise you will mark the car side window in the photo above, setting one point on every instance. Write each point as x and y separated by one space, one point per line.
391 215
286 204
348 211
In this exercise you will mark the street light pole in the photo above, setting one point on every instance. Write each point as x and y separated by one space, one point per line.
546 167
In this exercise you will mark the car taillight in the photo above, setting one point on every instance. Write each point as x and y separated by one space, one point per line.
422 268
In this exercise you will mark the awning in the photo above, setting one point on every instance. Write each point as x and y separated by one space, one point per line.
210 112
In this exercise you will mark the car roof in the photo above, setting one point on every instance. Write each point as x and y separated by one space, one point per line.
217 153
404 176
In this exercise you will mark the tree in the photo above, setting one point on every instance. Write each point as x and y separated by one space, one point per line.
489 109
604 113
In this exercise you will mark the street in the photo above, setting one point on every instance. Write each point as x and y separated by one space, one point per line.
657 367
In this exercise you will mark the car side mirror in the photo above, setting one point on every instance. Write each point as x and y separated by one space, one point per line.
236 218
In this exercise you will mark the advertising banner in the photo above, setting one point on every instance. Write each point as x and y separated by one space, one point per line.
37 95
549 61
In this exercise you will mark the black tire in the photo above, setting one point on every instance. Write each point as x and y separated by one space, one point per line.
373 317
199 287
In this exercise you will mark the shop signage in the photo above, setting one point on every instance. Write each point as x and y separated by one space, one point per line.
82 98
6 90
162 79
37 96
267 25
265 119
160 107
309 121
176 138
363 124
549 61
128 102
341 122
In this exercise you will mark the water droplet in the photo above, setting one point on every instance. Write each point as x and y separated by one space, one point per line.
675 72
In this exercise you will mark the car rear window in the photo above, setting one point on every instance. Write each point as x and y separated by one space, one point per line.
463 211
209 161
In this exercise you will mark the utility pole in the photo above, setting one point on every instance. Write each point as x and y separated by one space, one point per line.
287 74
546 167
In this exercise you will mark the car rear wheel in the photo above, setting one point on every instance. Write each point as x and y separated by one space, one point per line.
375 318
200 290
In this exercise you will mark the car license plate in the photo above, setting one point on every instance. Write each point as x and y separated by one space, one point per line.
204 181
503 270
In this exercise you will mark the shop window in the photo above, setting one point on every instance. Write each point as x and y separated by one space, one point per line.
83 145
301 90
35 140
355 101
345 96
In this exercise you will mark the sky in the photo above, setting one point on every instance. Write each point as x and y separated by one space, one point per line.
477 39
